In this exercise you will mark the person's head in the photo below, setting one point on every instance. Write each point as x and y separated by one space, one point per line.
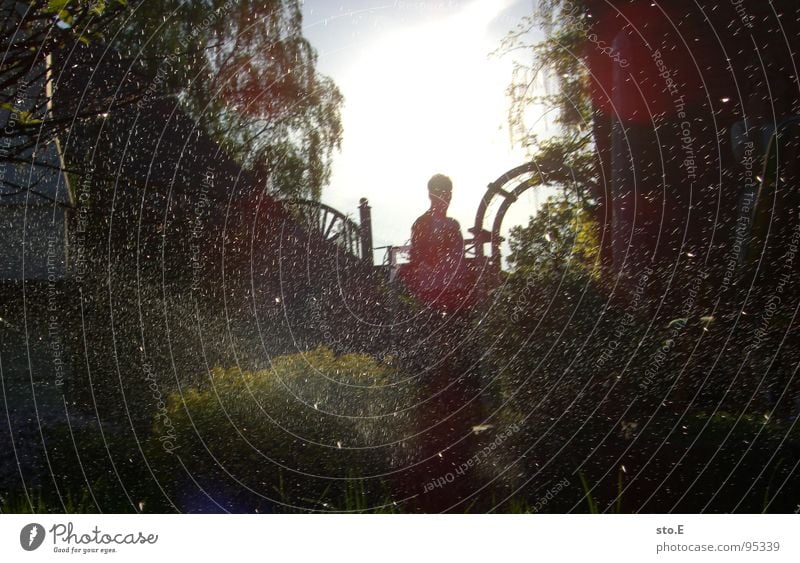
440 190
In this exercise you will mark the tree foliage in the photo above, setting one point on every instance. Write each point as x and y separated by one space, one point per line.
37 39
243 70
555 83
246 72
561 236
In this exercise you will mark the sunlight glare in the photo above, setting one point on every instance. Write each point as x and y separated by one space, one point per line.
426 99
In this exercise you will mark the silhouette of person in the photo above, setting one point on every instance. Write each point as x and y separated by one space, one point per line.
435 275
436 258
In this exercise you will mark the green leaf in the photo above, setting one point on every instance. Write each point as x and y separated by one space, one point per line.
26 118
56 6
677 322
23 117
65 17
98 7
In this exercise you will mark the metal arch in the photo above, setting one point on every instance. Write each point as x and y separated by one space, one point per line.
495 189
331 224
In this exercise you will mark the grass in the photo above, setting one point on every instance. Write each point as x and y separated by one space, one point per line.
19 503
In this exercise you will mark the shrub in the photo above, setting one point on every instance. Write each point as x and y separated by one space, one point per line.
294 434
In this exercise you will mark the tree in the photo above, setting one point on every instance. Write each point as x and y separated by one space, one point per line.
246 72
557 82
241 69
560 237
37 40
556 79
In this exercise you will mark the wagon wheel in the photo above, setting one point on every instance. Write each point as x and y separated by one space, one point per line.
331 224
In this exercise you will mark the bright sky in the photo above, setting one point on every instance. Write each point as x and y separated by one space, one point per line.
422 95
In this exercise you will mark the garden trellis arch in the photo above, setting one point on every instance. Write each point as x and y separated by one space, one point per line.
507 188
